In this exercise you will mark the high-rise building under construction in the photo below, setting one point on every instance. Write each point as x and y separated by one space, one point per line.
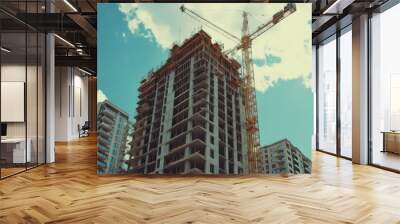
190 114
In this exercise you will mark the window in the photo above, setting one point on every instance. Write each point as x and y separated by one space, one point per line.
385 89
327 95
212 153
346 93
394 102
211 168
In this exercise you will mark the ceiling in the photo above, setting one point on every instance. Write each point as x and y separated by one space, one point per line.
332 15
74 22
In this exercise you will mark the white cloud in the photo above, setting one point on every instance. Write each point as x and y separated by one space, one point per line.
101 97
290 39
161 32
133 25
127 8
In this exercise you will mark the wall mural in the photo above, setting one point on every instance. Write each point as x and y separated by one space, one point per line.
212 88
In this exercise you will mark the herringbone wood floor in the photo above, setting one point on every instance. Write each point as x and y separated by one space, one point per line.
70 191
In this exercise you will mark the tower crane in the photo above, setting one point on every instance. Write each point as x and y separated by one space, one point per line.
248 85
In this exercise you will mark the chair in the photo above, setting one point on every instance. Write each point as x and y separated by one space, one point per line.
84 130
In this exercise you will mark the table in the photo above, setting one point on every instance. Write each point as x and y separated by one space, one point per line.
391 141
13 150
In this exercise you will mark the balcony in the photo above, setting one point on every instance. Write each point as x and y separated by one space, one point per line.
178 140
200 116
179 119
196 117
200 69
182 107
202 102
105 127
199 77
108 113
182 75
200 94
102 157
141 118
103 142
101 164
148 88
179 88
145 108
102 132
103 150
181 149
196 157
195 144
194 171
178 123
104 120
183 98
202 84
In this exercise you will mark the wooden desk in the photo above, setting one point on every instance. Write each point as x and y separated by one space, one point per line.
13 150
391 141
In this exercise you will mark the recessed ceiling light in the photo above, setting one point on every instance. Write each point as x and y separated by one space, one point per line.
70 5
5 50
64 40
337 7
84 71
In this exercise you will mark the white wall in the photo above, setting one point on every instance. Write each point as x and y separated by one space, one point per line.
71 102
17 73
81 104
34 125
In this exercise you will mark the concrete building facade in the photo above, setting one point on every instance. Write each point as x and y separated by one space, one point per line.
284 157
190 114
112 129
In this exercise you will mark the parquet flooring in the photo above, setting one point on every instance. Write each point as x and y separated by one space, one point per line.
70 191
10 171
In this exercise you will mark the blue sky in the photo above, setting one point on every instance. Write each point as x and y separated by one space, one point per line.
123 61
131 42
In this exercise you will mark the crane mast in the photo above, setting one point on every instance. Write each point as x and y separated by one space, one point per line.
248 85
249 99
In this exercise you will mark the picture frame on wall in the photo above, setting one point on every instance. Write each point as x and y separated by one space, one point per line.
181 91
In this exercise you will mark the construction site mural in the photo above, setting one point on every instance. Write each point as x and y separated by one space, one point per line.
216 88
